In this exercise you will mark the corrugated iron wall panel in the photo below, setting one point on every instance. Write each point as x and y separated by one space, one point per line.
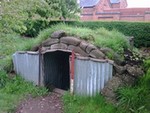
91 76
27 65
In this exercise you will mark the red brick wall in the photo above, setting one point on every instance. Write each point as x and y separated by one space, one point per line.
132 18
116 5
134 11
86 18
128 14
147 16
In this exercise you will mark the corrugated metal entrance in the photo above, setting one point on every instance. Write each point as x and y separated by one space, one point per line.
52 69
56 69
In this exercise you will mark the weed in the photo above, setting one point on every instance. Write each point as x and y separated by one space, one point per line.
3 78
81 104
112 39
14 89
136 99
147 64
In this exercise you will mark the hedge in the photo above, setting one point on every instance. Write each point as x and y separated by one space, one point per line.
140 30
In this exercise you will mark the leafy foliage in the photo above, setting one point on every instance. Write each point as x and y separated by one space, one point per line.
14 13
64 8
34 27
70 9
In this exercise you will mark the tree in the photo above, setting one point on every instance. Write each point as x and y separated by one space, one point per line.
14 13
55 11
66 8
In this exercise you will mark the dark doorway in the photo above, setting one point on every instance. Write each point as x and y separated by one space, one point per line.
57 70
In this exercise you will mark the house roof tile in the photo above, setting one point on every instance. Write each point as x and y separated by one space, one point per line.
91 3
114 1
88 3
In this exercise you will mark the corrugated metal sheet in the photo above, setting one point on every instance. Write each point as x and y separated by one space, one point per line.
91 76
27 65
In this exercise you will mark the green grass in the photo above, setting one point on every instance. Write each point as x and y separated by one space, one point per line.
96 104
12 90
147 64
114 40
9 43
136 99
99 37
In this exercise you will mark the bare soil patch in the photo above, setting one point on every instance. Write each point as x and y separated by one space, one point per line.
52 103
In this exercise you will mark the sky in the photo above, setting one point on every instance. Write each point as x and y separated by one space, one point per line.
138 3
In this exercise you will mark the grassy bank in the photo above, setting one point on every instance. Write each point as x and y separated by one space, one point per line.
135 99
9 43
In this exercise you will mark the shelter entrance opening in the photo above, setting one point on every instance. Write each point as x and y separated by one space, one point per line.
57 70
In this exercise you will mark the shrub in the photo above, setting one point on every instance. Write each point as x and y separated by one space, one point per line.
34 27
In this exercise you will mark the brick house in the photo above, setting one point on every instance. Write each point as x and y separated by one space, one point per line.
112 10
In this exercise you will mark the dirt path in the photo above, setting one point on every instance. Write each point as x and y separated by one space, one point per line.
51 103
